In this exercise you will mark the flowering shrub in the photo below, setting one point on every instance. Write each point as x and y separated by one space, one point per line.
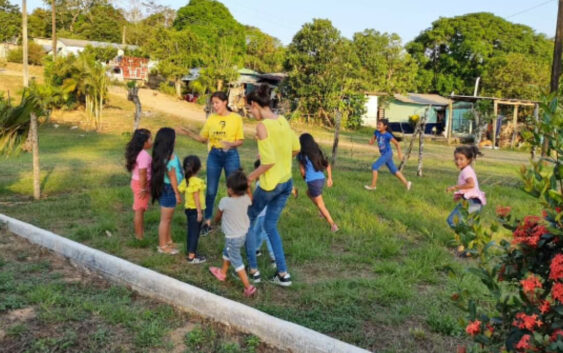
523 310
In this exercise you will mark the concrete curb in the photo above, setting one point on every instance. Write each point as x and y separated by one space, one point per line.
274 331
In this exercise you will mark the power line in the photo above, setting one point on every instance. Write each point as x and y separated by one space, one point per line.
530 9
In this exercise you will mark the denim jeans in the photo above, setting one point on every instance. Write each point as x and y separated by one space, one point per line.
263 237
231 252
275 200
193 231
455 217
217 160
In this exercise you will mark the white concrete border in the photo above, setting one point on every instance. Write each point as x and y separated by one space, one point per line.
274 331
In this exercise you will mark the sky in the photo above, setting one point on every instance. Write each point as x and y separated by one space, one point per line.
283 18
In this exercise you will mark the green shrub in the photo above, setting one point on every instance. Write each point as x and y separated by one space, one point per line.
35 54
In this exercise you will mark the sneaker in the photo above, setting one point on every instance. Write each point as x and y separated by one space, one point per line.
369 187
258 253
255 277
250 291
284 281
409 184
334 228
205 229
198 259
216 271
166 250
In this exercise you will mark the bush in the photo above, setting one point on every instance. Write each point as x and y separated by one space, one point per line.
166 88
35 54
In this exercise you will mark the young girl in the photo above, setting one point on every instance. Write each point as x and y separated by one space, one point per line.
312 164
235 223
138 162
467 185
193 189
166 174
383 137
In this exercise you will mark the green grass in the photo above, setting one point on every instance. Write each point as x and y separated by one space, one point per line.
380 283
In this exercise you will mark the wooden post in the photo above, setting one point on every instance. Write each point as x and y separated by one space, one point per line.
495 121
416 132
337 121
515 123
451 120
537 119
54 29
421 145
24 44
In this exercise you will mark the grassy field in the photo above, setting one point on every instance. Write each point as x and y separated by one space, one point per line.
379 283
47 305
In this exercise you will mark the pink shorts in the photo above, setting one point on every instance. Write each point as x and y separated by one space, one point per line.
140 203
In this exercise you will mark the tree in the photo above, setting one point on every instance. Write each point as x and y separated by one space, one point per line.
10 18
39 24
101 54
102 23
15 122
133 96
264 53
385 64
321 68
455 51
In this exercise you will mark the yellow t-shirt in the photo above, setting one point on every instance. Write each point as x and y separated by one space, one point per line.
277 149
219 128
196 184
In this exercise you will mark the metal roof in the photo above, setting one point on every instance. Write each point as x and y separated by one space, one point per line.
422 99
83 43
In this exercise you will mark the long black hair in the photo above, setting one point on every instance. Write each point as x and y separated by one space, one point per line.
138 140
191 166
311 150
261 95
385 123
161 153
470 152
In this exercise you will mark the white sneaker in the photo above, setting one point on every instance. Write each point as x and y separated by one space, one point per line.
368 187
409 184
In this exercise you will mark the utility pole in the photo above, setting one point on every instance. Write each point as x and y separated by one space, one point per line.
24 44
54 29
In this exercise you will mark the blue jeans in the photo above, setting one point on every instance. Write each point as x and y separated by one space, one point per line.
193 228
263 236
231 252
217 160
456 217
275 200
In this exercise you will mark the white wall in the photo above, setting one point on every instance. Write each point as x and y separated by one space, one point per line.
370 117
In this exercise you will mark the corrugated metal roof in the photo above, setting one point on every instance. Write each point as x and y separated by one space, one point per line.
422 99
83 43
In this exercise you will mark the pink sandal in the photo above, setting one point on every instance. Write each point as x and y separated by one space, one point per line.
216 271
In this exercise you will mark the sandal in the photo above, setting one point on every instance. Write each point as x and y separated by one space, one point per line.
166 250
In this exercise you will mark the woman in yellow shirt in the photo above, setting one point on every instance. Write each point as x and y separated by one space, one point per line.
223 133
277 145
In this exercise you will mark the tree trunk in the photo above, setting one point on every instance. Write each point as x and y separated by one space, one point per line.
411 144
178 87
35 152
24 44
337 120
219 85
421 146
133 96
54 29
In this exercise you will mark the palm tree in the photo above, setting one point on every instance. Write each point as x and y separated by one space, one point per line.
15 122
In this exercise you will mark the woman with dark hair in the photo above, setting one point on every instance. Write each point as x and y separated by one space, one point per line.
223 133
277 145
166 175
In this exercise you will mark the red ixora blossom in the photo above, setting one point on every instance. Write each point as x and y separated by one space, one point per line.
527 322
473 328
557 292
556 268
524 343
545 306
503 212
555 335
530 284
529 232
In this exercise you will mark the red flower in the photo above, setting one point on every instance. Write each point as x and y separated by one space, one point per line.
544 213
530 284
529 232
545 306
473 328
503 212
556 334
556 267
527 322
524 343
557 292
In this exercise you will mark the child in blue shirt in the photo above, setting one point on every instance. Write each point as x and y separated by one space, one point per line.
384 139
312 164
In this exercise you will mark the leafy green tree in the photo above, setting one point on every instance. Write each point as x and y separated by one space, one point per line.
264 53
102 23
385 64
322 69
101 54
39 23
15 122
10 20
455 51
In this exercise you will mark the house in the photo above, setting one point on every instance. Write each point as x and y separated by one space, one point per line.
124 68
67 46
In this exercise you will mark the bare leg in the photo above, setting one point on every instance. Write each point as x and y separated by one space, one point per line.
319 202
374 178
164 226
225 267
139 222
243 278
401 177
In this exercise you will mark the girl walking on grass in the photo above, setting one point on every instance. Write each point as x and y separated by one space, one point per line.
312 164
233 214
193 189
166 175
138 163
383 138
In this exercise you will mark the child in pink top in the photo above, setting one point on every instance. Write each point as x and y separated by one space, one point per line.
138 162
467 184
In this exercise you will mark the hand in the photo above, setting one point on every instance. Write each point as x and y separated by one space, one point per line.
178 198
400 156
143 193
199 216
329 182
226 145
251 177
451 189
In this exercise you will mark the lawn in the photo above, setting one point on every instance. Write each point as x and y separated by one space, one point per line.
380 283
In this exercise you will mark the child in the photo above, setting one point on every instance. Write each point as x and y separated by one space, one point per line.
235 223
259 228
138 162
312 164
383 137
467 185
193 189
166 175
